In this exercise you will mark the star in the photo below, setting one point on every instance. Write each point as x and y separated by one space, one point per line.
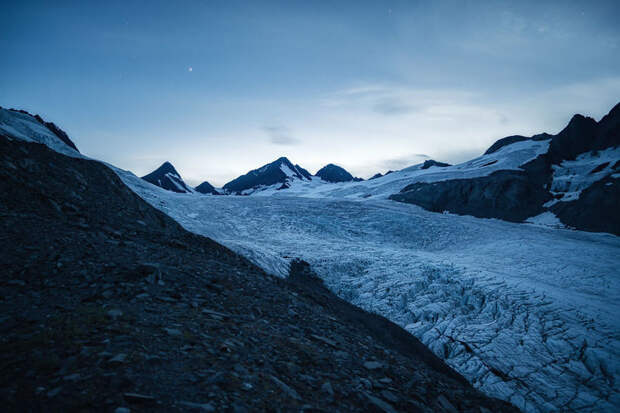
190 69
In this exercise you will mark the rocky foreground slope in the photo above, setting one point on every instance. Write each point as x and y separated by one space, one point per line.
107 303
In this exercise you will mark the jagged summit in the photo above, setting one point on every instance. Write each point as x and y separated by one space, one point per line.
167 178
281 171
334 173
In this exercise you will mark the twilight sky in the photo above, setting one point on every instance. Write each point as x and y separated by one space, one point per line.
219 88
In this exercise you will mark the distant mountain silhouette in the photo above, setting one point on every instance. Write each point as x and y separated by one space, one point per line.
334 173
206 188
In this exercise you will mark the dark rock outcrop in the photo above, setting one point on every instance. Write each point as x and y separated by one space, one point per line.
206 188
379 175
427 164
508 195
107 303
596 209
279 171
577 137
334 173
168 178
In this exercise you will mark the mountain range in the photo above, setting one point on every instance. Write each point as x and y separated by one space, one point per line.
567 179
109 301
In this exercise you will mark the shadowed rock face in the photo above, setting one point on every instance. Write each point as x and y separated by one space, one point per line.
107 302
508 195
206 188
276 172
334 173
168 178
517 195
596 209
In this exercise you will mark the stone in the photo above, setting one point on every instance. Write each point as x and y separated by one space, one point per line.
72 377
138 398
118 359
445 404
380 404
114 313
54 392
389 396
373 365
327 388
202 407
285 388
173 332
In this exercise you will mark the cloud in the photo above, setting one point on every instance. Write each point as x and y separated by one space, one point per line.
280 135
392 106
401 162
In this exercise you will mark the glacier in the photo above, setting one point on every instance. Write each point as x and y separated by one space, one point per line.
526 312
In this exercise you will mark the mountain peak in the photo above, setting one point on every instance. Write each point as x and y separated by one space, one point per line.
167 177
334 173
281 171
282 159
206 188
167 167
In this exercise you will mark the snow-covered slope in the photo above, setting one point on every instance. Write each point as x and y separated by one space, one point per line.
20 125
573 176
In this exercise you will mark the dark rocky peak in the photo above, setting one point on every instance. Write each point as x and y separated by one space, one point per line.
577 137
165 168
206 188
167 177
62 135
609 129
334 173
280 171
431 162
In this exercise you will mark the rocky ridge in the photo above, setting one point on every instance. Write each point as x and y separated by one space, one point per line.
542 185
